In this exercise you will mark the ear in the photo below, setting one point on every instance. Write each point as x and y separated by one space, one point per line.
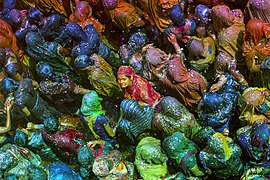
185 39
131 77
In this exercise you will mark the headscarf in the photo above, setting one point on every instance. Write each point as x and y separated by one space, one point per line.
256 30
222 17
91 107
125 71
148 168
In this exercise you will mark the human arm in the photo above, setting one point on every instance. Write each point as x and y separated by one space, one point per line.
8 104
31 125
221 81
173 40
80 90
110 131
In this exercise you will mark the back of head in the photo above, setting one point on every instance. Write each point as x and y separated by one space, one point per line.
44 70
20 138
83 61
177 15
8 85
51 124
35 16
75 31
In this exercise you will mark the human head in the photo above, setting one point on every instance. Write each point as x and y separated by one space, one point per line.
125 76
51 124
8 85
35 16
203 13
256 30
91 103
177 15
137 41
83 61
16 17
83 10
44 70
20 138
222 16
75 31
86 156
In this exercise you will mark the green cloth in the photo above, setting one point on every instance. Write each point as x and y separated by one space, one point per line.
91 107
149 159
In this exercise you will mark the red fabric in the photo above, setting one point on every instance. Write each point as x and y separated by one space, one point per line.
141 90
126 71
64 139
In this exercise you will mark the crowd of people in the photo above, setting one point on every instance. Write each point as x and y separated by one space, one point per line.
123 89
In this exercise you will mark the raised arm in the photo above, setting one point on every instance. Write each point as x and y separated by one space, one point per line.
8 104
172 39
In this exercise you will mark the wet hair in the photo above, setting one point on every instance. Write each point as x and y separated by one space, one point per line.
35 16
51 124
44 70
8 85
20 138
83 61
177 15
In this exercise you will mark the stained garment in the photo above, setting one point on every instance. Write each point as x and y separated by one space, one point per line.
62 7
125 16
54 29
101 77
255 144
209 3
253 105
7 37
175 117
67 140
58 88
141 89
229 28
36 142
60 170
35 104
113 166
216 108
150 160
14 164
256 51
222 157
41 50
189 84
201 53
135 119
183 152
259 9
159 11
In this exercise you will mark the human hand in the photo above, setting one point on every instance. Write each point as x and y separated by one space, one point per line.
9 103
95 142
172 38
30 125
214 88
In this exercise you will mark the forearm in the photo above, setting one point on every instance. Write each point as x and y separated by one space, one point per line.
8 124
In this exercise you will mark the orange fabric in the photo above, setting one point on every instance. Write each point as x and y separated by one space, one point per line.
256 46
7 37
